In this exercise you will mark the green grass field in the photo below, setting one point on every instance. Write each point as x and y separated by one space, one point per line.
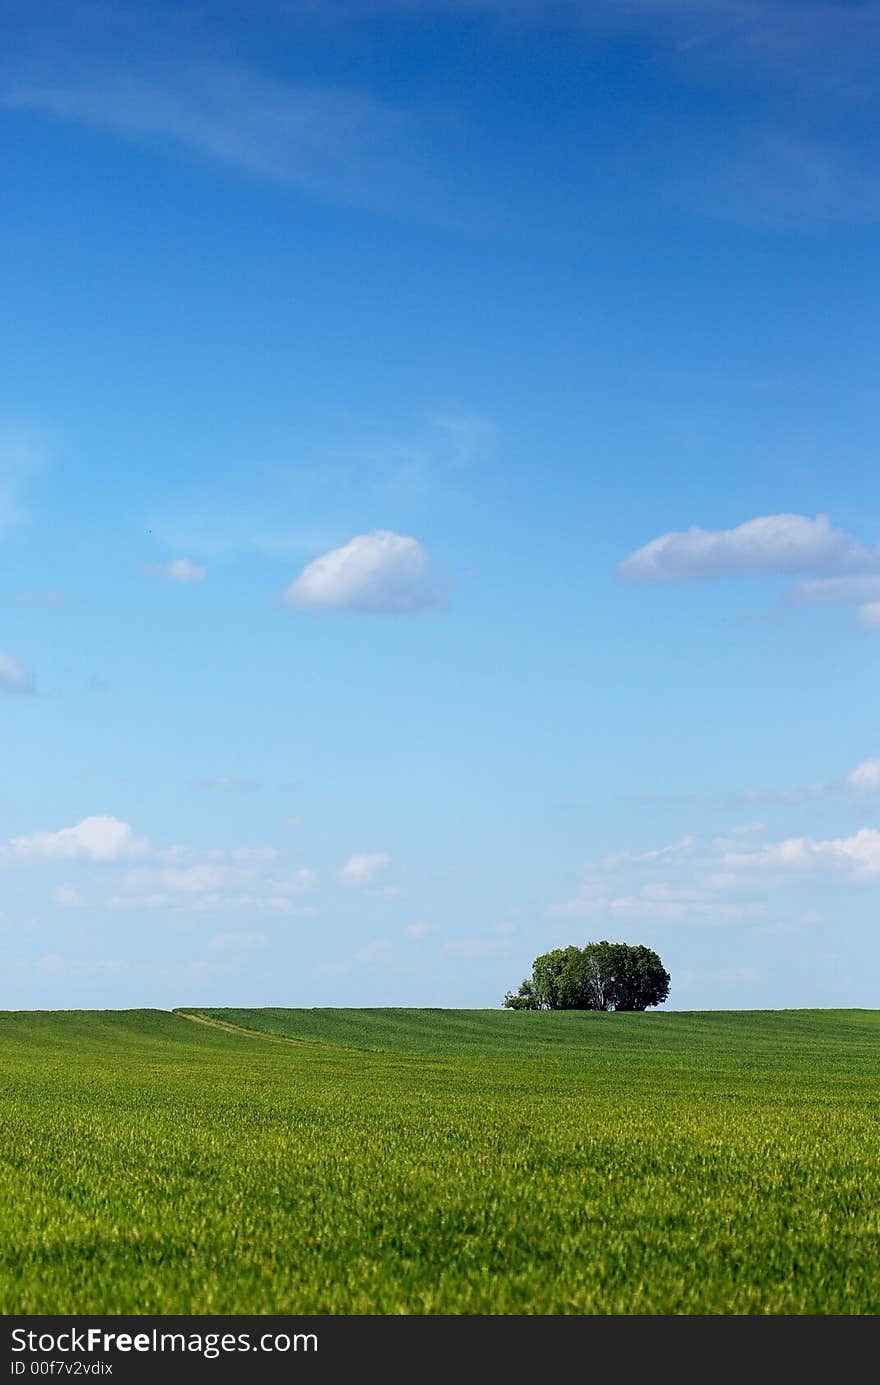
437 1161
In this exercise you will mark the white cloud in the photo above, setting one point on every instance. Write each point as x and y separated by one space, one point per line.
769 545
382 572
361 869
68 897
865 778
254 853
182 570
93 839
14 678
417 930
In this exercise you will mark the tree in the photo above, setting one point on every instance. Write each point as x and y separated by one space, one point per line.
599 976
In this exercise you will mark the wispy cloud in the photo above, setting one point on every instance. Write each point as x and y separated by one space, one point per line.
869 616
858 854
24 452
180 570
237 942
469 436
726 879
14 678
226 783
476 949
68 897
825 46
362 868
835 591
38 599
337 142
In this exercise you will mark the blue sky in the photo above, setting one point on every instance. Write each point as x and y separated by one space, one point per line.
438 502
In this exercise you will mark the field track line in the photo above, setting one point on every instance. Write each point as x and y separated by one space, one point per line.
253 1033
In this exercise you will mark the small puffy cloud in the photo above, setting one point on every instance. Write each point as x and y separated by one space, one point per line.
181 570
417 930
382 572
361 869
68 897
769 545
14 678
254 853
865 778
93 839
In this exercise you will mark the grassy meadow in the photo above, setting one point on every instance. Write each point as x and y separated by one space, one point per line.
439 1161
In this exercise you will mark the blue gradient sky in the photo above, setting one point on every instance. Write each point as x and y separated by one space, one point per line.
365 370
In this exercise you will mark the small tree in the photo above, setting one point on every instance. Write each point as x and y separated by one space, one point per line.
599 976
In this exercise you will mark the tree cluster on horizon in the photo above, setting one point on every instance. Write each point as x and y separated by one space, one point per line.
599 976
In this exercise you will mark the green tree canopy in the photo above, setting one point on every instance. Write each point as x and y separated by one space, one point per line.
599 976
